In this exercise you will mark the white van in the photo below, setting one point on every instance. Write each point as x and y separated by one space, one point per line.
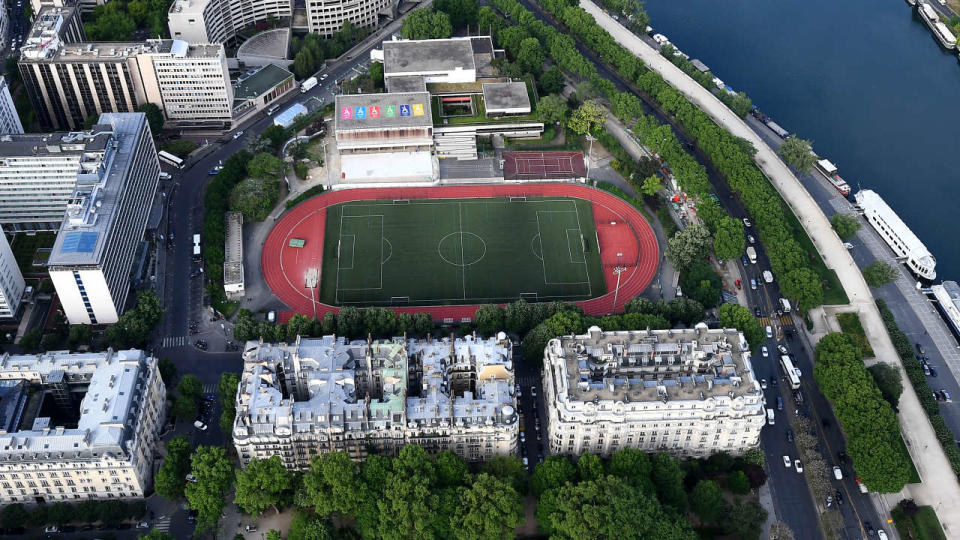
196 247
769 330
273 109
770 420
785 305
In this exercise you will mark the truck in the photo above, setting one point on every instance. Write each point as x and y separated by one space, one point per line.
785 305
308 84
752 255
768 276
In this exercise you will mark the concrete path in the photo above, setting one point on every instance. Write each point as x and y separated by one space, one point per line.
939 487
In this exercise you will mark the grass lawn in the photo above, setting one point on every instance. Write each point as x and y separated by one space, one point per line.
460 251
24 248
923 526
850 324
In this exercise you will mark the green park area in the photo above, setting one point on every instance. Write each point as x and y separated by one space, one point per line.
460 251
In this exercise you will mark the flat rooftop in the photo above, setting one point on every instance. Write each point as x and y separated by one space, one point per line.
119 50
260 82
233 249
427 56
188 6
109 380
655 365
39 144
406 83
382 111
506 97
104 173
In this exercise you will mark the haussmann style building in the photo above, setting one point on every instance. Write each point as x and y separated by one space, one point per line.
323 395
686 392
78 426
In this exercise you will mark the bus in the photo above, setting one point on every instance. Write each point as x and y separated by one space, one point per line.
792 374
167 157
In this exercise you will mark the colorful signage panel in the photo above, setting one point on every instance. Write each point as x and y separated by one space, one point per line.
361 112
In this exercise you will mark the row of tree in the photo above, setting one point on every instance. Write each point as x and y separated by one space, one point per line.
118 20
873 433
914 371
109 512
216 202
310 51
256 195
732 156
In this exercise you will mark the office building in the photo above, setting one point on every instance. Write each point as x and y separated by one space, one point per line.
78 426
69 81
105 220
260 89
324 395
38 173
326 17
219 21
86 6
11 281
9 119
686 392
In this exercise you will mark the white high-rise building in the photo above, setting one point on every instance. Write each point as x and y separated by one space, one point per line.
9 119
105 220
78 426
326 17
218 21
191 81
325 395
686 392
11 281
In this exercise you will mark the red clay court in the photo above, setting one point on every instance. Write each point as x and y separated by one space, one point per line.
624 236
543 165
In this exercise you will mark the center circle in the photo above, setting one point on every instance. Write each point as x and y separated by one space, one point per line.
462 248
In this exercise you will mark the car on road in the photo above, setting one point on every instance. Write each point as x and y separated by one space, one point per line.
51 529
779 403
769 331
526 462
786 461
214 170
789 435
756 311
533 391
838 495
837 473
200 425
250 528
764 351
880 532
933 371
798 466
143 525
523 437
842 456
753 284
869 528
946 396
746 222
782 349
238 134
751 239
324 77
165 175
919 348
763 384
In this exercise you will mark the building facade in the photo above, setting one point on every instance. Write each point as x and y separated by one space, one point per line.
106 216
218 21
78 426
686 392
324 395
326 17
11 281
69 81
9 119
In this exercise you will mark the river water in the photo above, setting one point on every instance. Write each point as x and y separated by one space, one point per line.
864 80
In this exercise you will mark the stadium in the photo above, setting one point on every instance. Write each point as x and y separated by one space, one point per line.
447 250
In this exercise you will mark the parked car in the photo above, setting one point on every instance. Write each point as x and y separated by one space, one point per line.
919 348
881 534
789 435
764 351
763 384
786 461
838 496
751 239
769 331
238 134
200 425
946 396
779 403
869 528
798 465
51 529
753 284
756 311
837 473
933 371
782 349
746 222
533 391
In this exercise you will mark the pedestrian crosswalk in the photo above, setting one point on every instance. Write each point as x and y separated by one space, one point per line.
170 341
162 523
210 388
784 320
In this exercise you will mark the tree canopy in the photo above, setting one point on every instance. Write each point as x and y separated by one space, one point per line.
687 246
846 225
214 475
798 153
728 239
739 317
587 117
171 478
426 23
261 484
552 109
880 273
154 117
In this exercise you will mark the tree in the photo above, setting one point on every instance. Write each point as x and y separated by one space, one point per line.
188 395
879 274
155 534
261 484
702 283
79 334
489 509
255 197
887 378
274 534
553 472
168 370
376 75
110 23
651 185
333 485
738 483
707 501
133 327
530 56
214 475
452 470
264 165
349 322
274 136
14 516
307 526
407 507
803 285
798 153
30 341
489 319
687 246
728 242
551 81
507 468
667 477
552 109
426 23
587 117
846 225
171 478
518 316
745 519
589 467
460 12
154 117
633 466
298 325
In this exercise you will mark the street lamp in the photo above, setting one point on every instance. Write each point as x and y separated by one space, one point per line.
617 271
590 138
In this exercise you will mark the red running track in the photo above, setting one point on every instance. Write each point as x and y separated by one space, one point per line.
620 230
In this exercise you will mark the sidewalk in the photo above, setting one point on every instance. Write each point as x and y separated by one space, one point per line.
939 487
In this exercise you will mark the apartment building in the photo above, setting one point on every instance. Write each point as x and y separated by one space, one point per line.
324 395
686 392
9 119
326 17
78 426
105 220
68 81
11 281
218 21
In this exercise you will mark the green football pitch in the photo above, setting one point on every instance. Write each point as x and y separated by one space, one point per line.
460 251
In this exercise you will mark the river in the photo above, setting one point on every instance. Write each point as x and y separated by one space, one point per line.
865 81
